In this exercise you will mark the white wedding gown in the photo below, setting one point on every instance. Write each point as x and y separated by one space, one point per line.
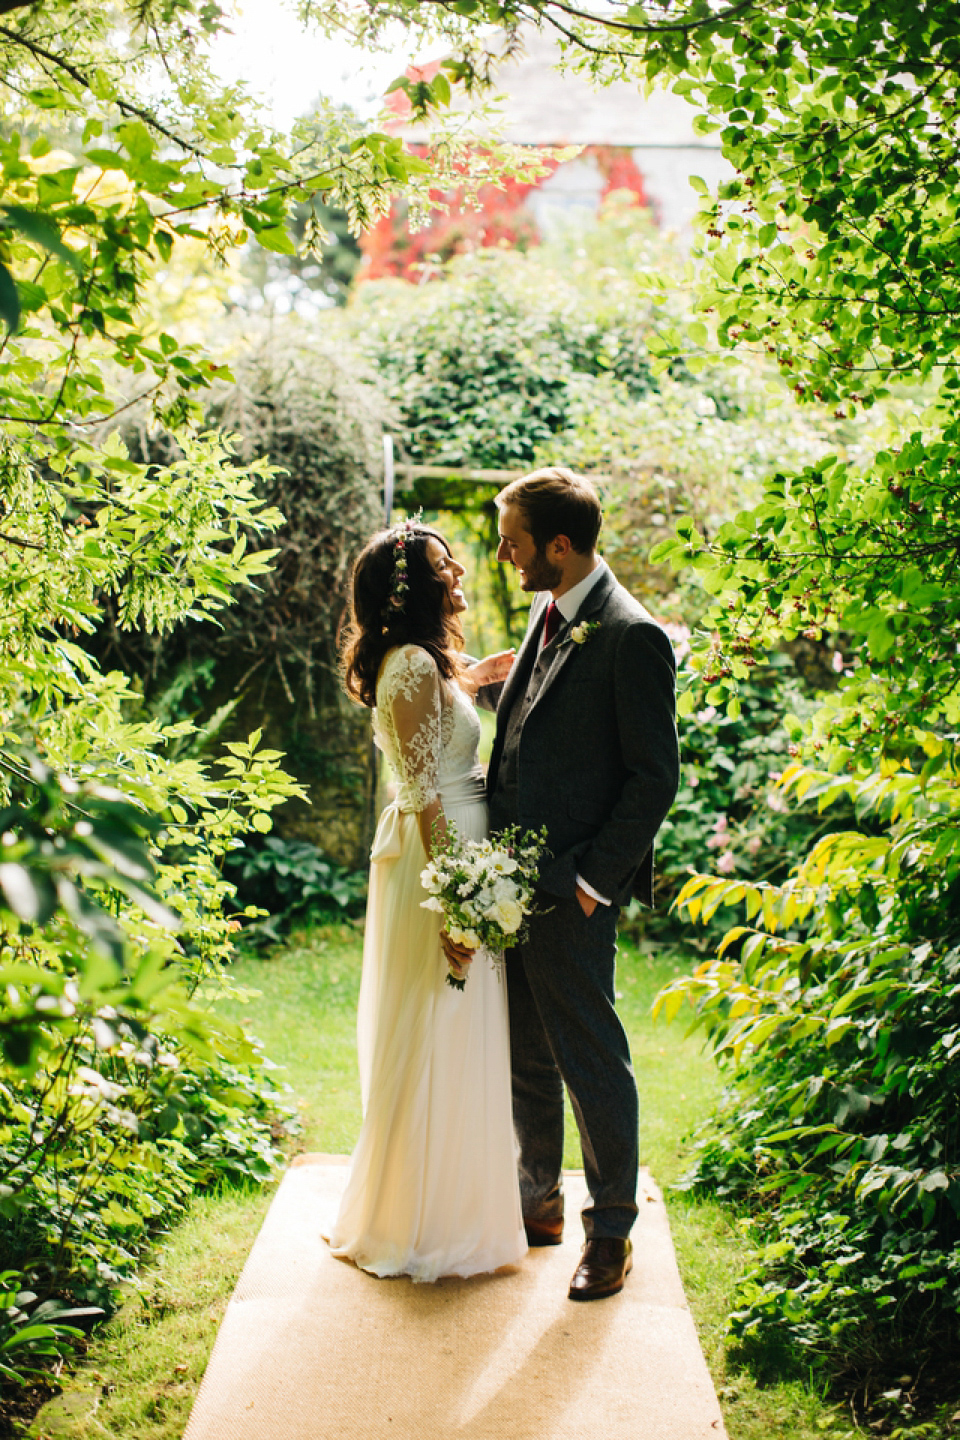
433 1186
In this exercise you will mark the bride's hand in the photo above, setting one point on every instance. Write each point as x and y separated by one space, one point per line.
492 669
458 956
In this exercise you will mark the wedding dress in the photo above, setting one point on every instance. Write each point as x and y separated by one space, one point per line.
433 1186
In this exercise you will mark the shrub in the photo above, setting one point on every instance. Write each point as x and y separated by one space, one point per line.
841 995
121 1092
291 879
481 366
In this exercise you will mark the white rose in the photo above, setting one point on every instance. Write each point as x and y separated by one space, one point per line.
471 939
509 916
455 933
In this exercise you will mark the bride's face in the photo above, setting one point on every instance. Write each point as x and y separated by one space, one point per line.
450 572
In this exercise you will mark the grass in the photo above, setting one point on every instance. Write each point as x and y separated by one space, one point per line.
142 1370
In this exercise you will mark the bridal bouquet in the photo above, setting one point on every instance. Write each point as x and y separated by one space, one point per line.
483 888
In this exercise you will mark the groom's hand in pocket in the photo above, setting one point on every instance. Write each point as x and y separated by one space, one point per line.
587 903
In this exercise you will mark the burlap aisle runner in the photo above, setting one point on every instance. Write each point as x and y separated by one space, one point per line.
310 1347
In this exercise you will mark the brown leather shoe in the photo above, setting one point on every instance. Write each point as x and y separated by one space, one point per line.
605 1264
544 1232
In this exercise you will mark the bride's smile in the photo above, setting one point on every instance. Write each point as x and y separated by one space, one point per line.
450 572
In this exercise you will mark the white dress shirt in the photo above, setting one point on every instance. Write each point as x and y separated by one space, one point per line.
571 600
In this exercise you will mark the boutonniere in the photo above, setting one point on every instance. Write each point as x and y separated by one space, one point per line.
581 633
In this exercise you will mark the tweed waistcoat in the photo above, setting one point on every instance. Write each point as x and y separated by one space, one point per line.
504 803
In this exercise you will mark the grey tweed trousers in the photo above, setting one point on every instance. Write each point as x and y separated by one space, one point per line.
564 1030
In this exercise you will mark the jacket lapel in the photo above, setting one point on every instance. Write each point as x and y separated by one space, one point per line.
594 602
516 682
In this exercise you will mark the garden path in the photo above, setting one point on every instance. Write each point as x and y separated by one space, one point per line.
311 1347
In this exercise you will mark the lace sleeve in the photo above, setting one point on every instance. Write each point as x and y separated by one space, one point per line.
411 694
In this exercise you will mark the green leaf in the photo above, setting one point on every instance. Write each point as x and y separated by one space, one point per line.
41 230
277 239
665 549
30 894
9 300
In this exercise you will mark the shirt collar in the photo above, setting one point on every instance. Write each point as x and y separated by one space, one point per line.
571 600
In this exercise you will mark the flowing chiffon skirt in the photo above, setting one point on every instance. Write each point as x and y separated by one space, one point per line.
433 1186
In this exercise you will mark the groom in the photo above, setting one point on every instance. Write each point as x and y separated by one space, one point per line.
586 744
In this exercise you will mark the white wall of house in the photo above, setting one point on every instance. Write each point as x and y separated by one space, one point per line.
541 105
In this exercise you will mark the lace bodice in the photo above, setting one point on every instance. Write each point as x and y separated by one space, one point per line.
427 728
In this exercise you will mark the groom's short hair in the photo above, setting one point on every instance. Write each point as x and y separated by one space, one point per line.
555 501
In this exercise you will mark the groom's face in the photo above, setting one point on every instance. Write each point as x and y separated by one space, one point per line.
534 567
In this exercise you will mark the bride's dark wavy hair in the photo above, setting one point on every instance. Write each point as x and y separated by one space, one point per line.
374 626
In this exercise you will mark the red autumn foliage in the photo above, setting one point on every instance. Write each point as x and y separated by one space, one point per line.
502 218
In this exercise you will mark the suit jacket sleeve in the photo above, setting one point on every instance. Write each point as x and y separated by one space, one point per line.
488 696
644 697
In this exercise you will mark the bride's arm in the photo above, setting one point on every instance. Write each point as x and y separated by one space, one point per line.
416 709
491 670
432 824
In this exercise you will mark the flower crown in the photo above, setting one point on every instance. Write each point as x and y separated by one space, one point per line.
399 585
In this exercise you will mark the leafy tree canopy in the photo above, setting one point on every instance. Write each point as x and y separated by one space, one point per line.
118 151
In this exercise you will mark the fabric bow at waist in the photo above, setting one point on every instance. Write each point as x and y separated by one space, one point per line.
386 842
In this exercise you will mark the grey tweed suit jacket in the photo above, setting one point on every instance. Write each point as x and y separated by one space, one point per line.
597 754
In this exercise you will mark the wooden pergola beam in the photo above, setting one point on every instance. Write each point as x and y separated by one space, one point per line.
407 474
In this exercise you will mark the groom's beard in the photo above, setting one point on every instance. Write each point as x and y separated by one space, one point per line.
540 574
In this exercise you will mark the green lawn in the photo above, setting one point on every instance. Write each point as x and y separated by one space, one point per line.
143 1369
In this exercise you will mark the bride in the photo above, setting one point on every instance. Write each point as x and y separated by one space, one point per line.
433 1186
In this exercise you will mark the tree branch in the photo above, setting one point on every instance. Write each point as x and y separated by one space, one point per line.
684 27
124 106
18 540
541 8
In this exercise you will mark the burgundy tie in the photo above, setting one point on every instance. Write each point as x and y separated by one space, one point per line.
552 623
